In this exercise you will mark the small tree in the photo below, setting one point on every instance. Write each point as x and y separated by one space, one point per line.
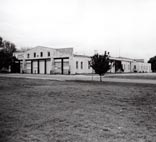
101 64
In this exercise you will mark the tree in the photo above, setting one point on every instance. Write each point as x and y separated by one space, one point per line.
101 64
5 59
1 42
25 48
6 53
9 47
153 63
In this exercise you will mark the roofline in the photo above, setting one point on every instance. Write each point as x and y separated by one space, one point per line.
64 48
125 58
122 59
39 46
19 52
76 55
49 48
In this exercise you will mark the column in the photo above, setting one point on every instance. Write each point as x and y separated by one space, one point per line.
45 66
52 66
31 66
38 66
62 65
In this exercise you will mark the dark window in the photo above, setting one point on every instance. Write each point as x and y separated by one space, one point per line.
77 65
135 67
48 54
28 55
34 54
41 54
81 65
88 64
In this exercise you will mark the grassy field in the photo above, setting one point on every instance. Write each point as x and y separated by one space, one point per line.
58 111
134 76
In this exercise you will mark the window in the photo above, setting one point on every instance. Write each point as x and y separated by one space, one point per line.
77 65
48 54
34 54
41 54
135 67
88 64
28 55
81 65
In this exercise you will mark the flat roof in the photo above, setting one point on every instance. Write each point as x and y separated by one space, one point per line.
76 55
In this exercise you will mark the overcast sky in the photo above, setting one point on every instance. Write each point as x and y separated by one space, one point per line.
123 27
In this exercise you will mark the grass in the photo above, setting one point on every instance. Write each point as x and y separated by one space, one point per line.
134 76
76 111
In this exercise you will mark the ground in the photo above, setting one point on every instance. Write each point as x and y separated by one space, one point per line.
34 110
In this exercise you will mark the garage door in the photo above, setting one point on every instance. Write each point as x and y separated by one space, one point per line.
57 66
28 67
48 66
41 66
35 69
66 66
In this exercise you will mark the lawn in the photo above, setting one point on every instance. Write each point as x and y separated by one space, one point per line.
134 76
76 111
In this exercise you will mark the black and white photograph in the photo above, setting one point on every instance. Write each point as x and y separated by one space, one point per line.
77 71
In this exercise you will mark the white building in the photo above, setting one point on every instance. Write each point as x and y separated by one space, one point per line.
124 62
130 65
44 60
141 66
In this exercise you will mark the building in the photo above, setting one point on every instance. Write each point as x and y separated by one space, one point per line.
129 65
44 60
120 64
141 67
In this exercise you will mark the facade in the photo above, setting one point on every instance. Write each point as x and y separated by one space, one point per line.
81 64
130 65
44 60
141 67
125 64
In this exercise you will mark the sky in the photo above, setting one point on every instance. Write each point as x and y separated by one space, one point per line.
125 28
